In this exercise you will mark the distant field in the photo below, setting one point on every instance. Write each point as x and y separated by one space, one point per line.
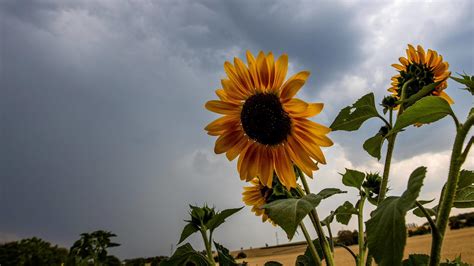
456 242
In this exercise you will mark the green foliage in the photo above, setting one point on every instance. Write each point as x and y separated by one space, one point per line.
220 217
466 80
416 260
225 259
352 117
373 145
386 229
307 258
425 111
465 191
461 220
353 178
186 254
288 213
92 247
345 212
32 251
205 218
188 230
425 91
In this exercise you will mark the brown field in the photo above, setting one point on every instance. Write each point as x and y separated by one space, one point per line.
456 242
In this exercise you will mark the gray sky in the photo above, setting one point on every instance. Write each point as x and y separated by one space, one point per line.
101 107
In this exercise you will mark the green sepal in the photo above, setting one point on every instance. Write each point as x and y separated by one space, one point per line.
225 259
186 254
425 111
386 229
352 117
288 213
373 145
466 80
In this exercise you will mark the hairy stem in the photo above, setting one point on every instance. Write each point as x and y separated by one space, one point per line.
331 239
360 217
319 229
434 229
311 246
207 243
446 201
386 168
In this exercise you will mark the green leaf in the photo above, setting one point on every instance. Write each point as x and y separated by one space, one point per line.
225 259
373 145
465 191
425 111
352 117
288 213
417 260
431 211
345 212
426 90
184 255
466 178
188 230
220 217
307 258
272 263
386 230
455 262
328 220
353 178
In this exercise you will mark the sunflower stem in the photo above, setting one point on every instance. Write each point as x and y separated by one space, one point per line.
331 239
319 229
391 146
311 246
208 246
360 217
434 229
348 249
447 199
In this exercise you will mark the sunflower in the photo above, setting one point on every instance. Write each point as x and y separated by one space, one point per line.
423 68
256 196
263 124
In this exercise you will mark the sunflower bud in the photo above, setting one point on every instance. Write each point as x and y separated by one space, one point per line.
201 215
389 102
372 185
383 131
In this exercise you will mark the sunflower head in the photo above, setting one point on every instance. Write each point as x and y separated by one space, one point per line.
264 124
420 69
372 185
258 195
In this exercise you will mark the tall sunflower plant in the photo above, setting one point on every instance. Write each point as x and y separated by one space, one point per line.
278 147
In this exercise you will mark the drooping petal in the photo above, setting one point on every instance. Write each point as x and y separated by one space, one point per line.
225 108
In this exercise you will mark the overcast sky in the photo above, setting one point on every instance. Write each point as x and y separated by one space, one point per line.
102 117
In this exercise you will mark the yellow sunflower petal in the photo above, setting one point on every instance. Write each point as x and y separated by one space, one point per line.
284 168
225 108
290 89
243 73
445 96
235 150
399 67
295 106
227 141
263 71
281 67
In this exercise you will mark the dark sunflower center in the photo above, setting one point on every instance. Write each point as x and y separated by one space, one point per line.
422 76
264 119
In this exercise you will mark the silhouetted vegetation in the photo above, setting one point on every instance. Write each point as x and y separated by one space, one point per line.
32 251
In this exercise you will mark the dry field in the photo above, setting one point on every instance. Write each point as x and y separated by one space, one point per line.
456 242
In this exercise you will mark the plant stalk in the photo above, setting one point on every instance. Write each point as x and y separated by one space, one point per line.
208 246
361 239
311 246
447 199
386 168
319 229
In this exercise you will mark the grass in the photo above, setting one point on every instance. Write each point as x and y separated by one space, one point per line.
457 242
